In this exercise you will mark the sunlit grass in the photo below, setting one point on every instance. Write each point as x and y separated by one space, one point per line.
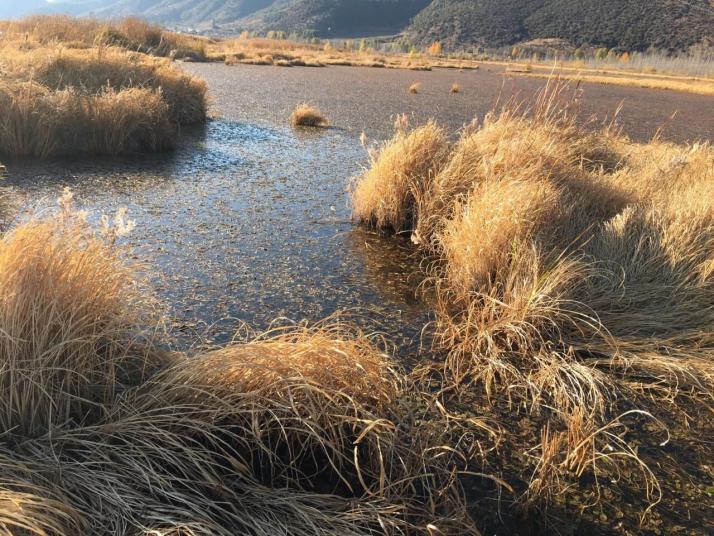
570 271
309 430
60 98
306 115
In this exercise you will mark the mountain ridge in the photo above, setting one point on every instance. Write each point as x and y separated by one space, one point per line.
672 25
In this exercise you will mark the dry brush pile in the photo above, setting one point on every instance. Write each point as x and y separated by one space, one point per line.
571 273
60 98
105 431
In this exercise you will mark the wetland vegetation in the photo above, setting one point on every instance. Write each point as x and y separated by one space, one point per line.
559 376
72 87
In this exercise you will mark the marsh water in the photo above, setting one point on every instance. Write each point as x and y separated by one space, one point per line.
248 220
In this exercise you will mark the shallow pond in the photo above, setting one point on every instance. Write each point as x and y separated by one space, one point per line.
249 220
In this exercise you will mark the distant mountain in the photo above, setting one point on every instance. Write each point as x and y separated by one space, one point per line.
623 24
480 22
186 12
628 24
336 18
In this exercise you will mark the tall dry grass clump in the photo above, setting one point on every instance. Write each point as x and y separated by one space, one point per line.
310 431
570 274
60 99
71 314
44 123
301 432
305 115
113 68
388 193
316 413
131 33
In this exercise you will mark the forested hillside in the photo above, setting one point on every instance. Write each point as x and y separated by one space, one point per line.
336 18
621 24
625 24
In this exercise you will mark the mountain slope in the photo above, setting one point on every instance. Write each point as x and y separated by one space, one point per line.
336 18
481 22
629 24
623 24
626 24
193 12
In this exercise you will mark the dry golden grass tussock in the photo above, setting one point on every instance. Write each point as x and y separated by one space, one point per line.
554 245
93 71
455 88
301 431
305 115
387 193
496 215
292 399
43 123
99 99
71 322
130 33
414 88
521 180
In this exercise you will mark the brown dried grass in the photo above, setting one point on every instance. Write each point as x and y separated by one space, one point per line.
302 430
569 272
305 115
95 100
44 123
386 195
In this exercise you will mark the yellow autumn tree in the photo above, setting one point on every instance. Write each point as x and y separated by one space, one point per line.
435 49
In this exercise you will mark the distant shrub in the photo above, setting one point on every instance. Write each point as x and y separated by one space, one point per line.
601 54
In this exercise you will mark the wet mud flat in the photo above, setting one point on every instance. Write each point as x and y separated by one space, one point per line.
248 220
365 99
